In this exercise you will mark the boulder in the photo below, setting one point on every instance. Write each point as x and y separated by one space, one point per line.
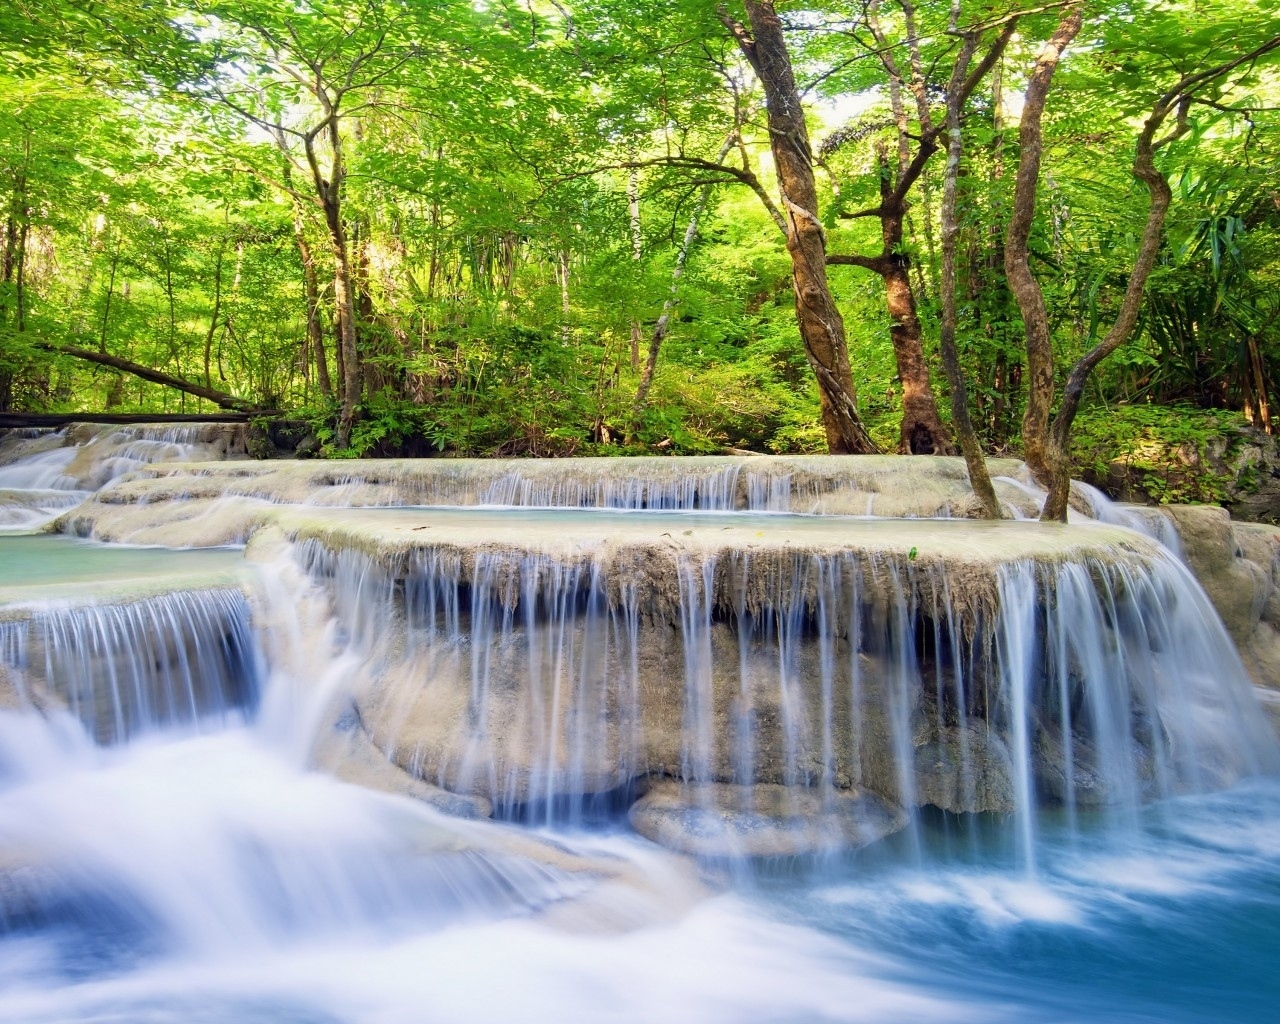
727 822
1238 565
1236 586
346 752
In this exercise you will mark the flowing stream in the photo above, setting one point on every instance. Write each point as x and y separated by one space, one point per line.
178 843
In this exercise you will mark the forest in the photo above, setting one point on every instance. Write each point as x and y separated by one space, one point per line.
585 227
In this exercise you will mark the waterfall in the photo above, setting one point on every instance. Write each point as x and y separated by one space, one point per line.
556 689
127 667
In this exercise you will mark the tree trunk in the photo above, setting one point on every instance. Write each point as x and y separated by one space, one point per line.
820 323
922 430
1056 444
10 420
310 280
1256 374
664 321
315 329
637 241
330 194
344 308
215 315
979 478
1017 256
368 340
663 325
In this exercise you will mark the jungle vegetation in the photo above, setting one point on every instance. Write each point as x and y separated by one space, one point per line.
558 227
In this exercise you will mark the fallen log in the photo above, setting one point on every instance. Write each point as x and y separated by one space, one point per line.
219 398
61 419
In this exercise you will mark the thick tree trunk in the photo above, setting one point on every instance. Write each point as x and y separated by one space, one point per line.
820 323
922 430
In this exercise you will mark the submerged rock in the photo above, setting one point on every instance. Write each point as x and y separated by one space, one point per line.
728 822
965 769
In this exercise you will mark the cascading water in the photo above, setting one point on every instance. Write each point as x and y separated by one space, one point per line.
43 473
548 688
124 668
1003 751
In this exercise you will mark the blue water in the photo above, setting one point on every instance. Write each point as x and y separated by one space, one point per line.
218 885
1179 922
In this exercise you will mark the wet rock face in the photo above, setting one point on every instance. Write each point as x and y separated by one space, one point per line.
1245 461
1238 564
45 472
972 679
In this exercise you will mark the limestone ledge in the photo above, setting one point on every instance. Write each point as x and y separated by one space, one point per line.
662 558
654 552
881 485
1238 564
22 602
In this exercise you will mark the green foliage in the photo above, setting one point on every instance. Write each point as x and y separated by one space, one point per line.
1173 453
498 273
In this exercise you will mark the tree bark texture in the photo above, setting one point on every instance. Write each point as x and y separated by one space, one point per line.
970 446
820 323
1017 256
922 430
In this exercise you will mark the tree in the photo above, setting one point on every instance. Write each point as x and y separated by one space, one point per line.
335 58
821 326
1048 448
